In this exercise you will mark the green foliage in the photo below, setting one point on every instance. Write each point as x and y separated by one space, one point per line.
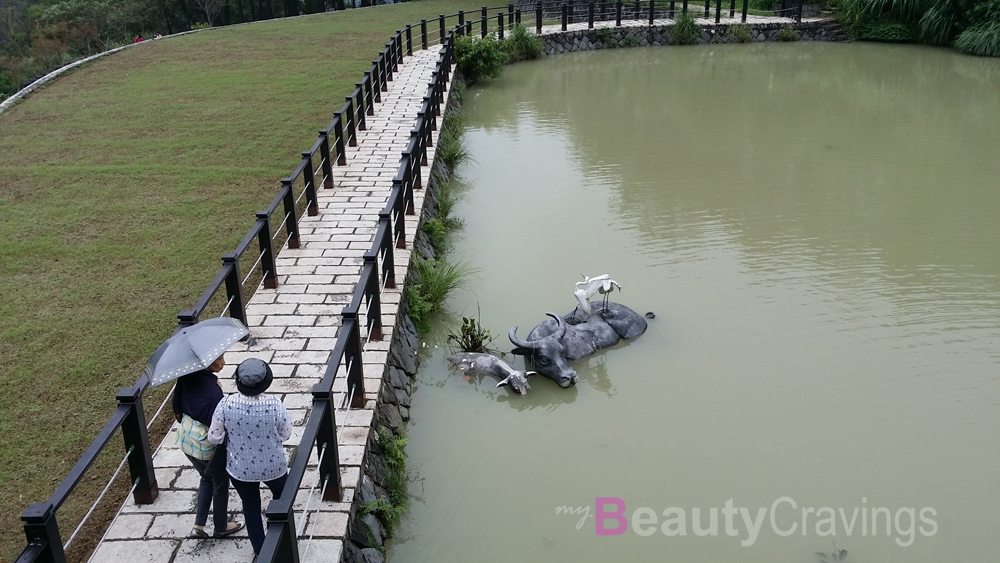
472 337
437 232
685 30
605 35
478 58
522 44
7 86
937 22
631 41
761 5
788 34
741 31
982 39
201 25
447 196
396 482
880 30
451 151
434 281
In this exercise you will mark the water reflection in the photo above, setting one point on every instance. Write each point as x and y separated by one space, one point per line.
814 227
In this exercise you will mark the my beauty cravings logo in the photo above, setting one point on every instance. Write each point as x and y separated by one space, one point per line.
784 516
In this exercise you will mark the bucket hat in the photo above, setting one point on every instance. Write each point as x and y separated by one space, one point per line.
253 376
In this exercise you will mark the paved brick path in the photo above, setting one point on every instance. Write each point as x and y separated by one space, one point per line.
294 328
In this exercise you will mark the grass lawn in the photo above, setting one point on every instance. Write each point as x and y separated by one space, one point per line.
121 185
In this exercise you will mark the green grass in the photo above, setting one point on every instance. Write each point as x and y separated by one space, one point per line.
122 184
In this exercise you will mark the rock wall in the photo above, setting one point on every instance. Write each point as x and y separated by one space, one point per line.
617 37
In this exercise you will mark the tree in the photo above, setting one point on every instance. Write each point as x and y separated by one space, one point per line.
212 8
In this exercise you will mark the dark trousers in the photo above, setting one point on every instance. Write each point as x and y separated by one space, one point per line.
213 489
249 492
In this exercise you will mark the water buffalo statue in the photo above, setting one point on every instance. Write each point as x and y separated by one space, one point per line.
589 328
492 365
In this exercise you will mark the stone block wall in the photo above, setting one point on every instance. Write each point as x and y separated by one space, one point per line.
617 37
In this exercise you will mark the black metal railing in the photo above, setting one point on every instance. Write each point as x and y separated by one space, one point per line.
361 319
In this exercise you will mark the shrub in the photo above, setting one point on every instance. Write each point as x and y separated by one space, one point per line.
686 31
477 58
434 281
521 44
437 232
201 25
472 337
982 39
761 5
451 151
7 87
396 482
741 31
631 41
606 36
880 30
788 34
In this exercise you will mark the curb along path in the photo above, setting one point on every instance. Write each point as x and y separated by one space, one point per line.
294 328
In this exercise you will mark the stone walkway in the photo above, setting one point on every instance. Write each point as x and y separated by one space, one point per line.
724 20
294 328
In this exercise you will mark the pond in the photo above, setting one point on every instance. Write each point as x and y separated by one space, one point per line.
815 227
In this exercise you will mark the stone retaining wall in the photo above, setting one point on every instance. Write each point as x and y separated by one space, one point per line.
657 35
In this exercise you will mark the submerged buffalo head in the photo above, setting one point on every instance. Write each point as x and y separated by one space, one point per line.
547 353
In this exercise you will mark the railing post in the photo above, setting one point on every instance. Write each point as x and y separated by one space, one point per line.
423 34
636 10
326 439
441 27
538 19
399 47
652 9
565 16
361 105
352 139
312 207
590 15
484 21
618 13
292 219
338 139
744 11
280 540
461 18
510 15
798 11
355 372
387 57
41 529
140 461
732 9
234 287
388 266
374 315
409 41
186 318
266 246
324 146
500 25
684 7
376 86
718 10
517 15
671 12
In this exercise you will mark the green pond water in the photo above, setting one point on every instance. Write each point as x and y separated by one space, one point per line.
815 226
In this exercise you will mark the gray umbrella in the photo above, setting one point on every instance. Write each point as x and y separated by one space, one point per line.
193 348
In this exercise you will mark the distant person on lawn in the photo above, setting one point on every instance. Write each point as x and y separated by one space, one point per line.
195 398
257 425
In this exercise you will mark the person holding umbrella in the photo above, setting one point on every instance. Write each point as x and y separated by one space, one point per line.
256 425
195 398
192 357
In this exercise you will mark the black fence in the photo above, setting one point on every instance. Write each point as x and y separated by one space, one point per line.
361 320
